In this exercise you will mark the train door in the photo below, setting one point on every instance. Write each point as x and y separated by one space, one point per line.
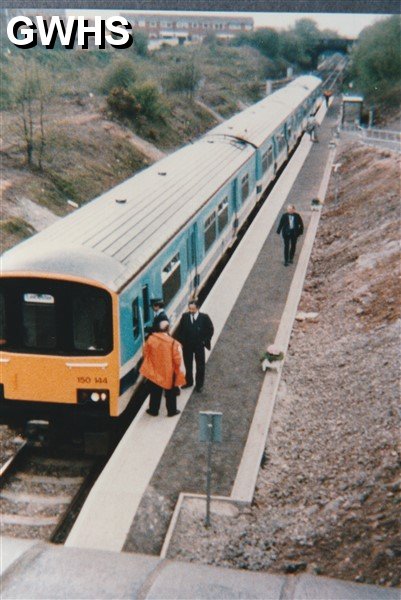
192 258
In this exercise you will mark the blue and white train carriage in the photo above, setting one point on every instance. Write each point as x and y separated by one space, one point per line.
75 298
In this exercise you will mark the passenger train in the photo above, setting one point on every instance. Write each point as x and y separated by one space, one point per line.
75 298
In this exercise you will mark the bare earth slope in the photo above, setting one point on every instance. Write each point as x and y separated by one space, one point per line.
328 498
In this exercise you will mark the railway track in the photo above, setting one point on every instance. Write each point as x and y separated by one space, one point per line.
42 490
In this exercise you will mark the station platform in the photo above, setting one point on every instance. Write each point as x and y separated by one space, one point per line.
116 548
132 503
44 571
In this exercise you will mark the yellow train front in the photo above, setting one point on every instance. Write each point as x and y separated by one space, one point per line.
58 336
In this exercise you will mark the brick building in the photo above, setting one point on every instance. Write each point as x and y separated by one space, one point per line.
188 27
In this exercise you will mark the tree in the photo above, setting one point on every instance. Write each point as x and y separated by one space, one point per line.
31 94
376 61
307 37
266 40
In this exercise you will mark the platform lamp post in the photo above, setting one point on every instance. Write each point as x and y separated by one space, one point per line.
209 432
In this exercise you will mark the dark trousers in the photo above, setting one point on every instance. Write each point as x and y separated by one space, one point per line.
156 396
199 352
290 245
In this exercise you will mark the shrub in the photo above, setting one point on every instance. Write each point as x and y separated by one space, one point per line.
142 100
148 98
140 43
122 103
185 79
120 74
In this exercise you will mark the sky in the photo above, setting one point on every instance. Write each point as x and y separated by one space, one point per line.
346 24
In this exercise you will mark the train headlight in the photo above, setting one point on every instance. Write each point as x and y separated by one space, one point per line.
89 396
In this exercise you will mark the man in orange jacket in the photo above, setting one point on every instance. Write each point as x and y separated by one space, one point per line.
163 366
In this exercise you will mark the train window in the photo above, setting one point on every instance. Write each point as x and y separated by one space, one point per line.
171 278
146 303
39 321
136 319
222 212
280 142
267 159
245 187
209 231
90 320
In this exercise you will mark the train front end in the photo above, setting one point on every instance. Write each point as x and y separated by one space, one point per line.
58 346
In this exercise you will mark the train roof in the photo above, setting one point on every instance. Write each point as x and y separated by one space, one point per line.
111 238
257 122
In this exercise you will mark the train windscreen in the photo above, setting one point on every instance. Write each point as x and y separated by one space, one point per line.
54 317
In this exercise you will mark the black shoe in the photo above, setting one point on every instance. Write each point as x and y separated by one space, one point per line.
286 264
198 388
152 414
186 386
177 412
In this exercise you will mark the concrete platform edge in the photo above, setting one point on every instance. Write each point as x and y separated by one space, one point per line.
245 482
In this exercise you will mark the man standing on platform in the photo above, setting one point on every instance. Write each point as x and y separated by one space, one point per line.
159 314
195 332
291 226
163 367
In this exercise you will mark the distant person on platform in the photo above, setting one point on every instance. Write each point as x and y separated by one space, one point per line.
159 315
327 95
291 227
311 128
195 332
163 366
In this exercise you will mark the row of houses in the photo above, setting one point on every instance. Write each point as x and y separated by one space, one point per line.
181 27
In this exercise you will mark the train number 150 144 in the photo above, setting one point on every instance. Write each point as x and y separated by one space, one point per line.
89 380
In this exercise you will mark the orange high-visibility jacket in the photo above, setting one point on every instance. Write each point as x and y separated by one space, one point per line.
162 361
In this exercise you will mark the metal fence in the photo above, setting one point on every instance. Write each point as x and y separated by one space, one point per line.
382 137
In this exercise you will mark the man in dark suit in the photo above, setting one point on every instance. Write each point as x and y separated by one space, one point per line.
195 332
159 315
291 226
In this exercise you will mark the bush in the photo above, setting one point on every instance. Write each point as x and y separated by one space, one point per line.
185 79
123 104
148 98
140 43
142 100
120 74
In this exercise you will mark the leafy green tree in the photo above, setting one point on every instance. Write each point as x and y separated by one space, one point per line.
376 61
307 37
119 74
265 40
